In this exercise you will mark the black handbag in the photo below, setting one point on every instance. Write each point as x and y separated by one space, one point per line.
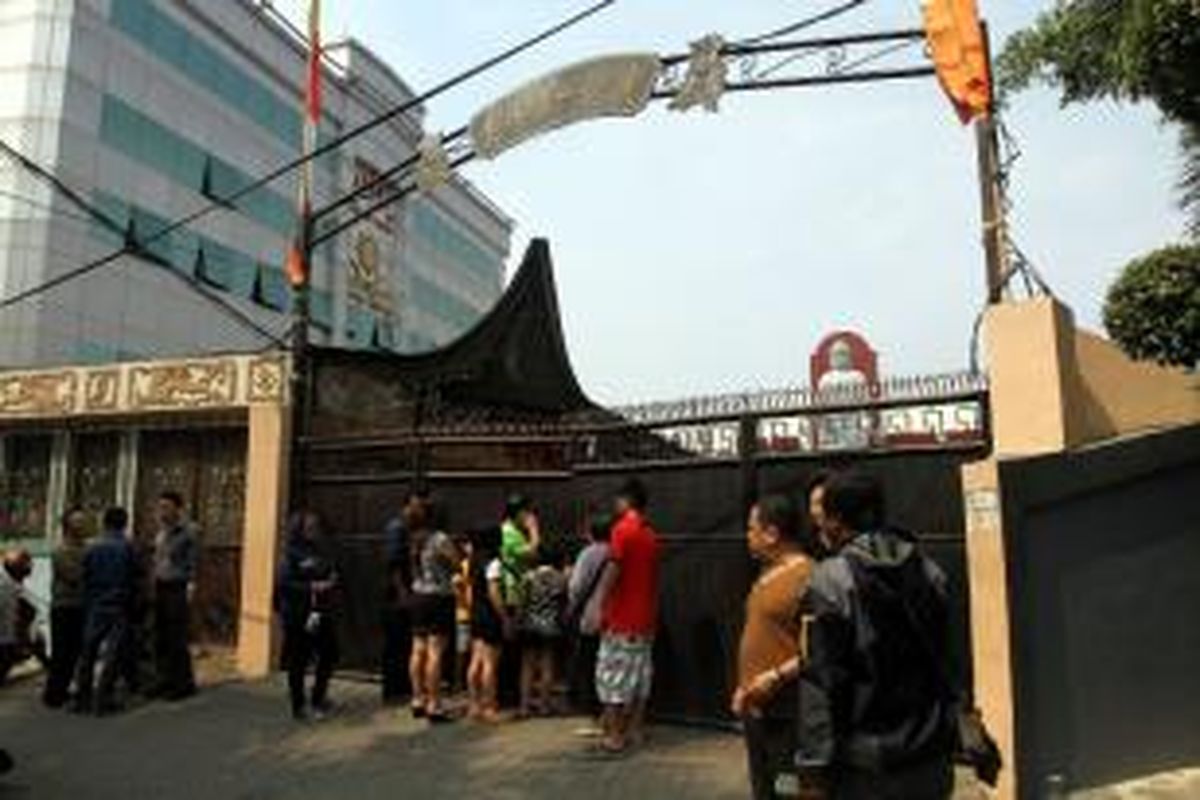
975 746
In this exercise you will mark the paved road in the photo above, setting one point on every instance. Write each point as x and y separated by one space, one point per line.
237 742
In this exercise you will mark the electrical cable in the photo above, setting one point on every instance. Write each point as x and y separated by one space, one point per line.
231 198
133 247
807 22
47 207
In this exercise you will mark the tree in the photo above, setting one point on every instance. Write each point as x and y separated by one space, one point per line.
1120 49
1153 308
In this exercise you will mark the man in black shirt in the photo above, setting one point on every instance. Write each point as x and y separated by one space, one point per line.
396 638
875 711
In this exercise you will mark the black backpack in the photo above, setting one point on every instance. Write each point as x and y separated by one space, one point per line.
974 746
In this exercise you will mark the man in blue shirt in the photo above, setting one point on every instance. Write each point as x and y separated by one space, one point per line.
108 586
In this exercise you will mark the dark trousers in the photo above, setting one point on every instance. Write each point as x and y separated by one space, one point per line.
770 749
66 628
103 641
397 644
300 648
582 679
172 659
929 780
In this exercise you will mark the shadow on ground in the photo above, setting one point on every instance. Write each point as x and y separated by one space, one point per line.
237 741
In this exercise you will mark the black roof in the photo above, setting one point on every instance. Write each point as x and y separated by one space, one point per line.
515 358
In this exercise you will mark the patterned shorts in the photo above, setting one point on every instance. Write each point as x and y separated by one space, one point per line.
624 669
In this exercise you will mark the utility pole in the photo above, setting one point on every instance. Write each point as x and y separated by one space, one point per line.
300 267
991 204
302 372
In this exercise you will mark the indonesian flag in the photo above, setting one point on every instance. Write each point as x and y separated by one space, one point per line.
297 264
955 36
313 88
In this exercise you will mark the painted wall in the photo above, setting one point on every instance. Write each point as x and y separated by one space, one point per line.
1103 547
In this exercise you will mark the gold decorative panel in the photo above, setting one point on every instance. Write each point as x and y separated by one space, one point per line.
37 393
225 382
202 384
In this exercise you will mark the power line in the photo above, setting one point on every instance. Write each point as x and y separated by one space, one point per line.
47 207
808 22
132 247
230 199
46 175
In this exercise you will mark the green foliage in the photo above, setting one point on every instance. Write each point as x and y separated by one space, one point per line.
1189 182
1153 309
1122 50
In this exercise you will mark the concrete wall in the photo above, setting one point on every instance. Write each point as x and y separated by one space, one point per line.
1054 390
1113 395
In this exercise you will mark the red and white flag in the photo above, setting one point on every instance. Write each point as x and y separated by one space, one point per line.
297 263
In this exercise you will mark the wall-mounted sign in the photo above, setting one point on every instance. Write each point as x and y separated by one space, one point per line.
374 244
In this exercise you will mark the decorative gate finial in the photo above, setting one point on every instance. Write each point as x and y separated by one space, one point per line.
433 168
705 80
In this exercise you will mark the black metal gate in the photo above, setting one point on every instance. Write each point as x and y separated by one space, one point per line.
702 460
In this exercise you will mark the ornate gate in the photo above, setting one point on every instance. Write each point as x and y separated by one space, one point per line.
499 411
208 468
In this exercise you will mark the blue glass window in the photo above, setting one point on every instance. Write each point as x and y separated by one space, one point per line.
320 305
273 290
204 65
360 326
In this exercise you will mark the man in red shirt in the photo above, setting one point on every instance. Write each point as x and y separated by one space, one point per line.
624 666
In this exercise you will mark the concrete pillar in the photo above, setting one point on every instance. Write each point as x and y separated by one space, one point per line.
1031 378
266 505
1031 373
987 581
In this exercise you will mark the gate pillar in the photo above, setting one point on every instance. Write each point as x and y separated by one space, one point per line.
266 504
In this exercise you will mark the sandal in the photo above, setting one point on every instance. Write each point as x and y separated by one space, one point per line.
439 717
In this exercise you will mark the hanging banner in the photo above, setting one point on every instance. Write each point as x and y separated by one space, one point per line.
608 86
954 34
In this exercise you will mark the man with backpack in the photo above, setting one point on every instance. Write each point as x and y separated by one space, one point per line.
877 708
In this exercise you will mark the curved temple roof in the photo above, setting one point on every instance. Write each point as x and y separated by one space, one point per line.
514 358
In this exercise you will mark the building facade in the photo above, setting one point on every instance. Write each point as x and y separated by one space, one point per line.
150 109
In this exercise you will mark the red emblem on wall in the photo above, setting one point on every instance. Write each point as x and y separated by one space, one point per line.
843 359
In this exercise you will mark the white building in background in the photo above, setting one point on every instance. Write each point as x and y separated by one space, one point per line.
148 108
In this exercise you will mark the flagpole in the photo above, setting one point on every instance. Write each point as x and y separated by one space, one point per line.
300 266
991 205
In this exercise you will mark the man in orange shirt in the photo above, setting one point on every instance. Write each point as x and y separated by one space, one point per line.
765 698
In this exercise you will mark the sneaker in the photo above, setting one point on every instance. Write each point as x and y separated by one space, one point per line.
322 710
299 715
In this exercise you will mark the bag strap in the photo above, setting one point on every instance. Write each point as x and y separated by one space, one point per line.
593 584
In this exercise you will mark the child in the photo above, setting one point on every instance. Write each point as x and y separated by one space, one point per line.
541 628
462 613
489 622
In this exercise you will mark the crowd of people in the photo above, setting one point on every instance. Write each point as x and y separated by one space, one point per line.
119 611
465 607
841 680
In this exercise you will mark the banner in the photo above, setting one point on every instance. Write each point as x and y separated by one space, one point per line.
608 86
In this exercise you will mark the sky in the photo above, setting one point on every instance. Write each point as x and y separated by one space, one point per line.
707 253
